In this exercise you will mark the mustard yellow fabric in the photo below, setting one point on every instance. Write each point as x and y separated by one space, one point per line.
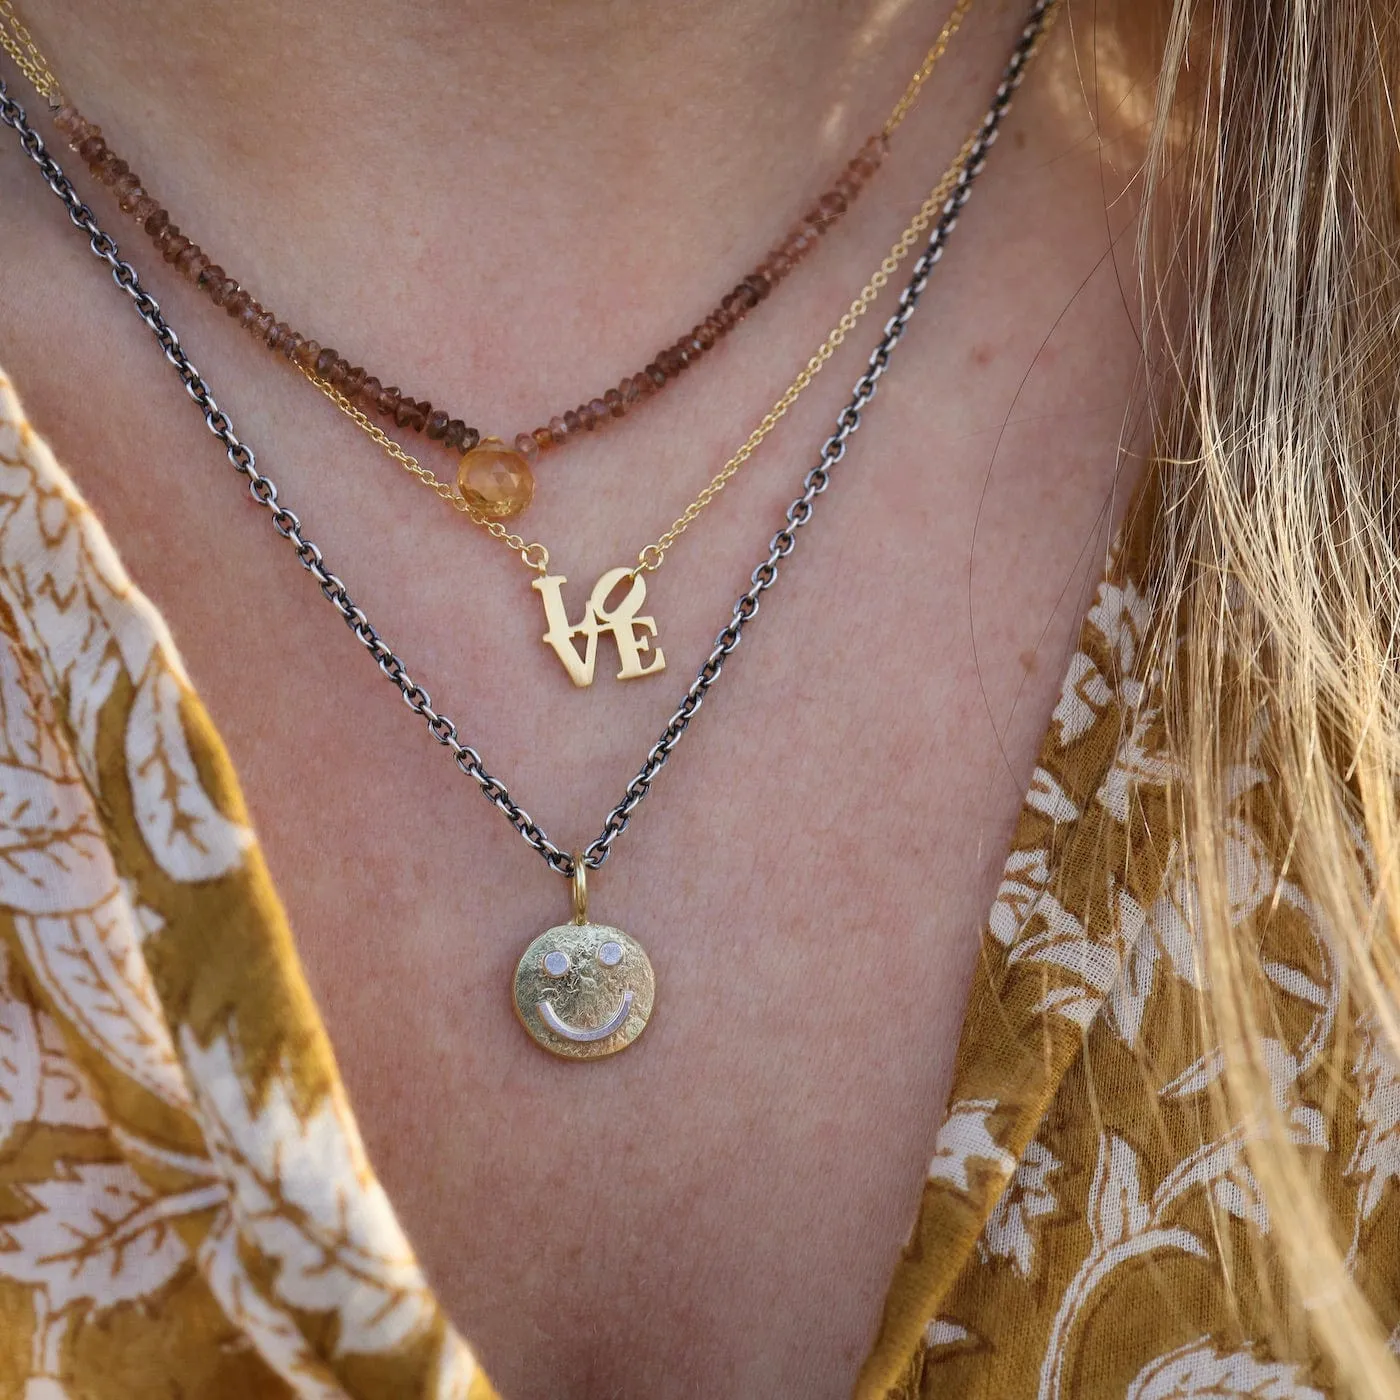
185 1205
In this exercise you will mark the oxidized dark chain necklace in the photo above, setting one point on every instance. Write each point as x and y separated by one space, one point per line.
582 989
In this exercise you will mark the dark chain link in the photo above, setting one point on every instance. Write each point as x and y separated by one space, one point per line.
286 523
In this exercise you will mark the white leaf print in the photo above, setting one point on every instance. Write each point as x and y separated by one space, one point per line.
943 1333
99 1235
304 1195
21 1069
1084 698
189 838
1117 1210
1009 1232
1197 1371
1375 1161
279 1341
457 1370
92 966
53 856
1134 765
965 1137
1047 796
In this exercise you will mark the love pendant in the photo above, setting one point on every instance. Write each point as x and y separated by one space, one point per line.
631 632
582 990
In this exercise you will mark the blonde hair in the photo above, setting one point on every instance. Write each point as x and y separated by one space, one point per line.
1270 237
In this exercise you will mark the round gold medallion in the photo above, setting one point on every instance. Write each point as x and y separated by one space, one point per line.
583 991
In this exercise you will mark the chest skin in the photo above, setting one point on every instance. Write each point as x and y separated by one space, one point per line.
716 1211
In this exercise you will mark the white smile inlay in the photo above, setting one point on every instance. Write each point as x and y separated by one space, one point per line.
559 1026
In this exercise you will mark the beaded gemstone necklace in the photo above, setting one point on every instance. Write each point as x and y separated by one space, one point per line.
495 478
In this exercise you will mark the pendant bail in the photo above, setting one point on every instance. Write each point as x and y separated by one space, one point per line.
579 888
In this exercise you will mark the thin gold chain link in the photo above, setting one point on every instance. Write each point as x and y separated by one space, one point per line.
910 95
19 44
533 554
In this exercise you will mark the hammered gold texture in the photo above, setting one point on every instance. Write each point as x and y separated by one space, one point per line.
588 994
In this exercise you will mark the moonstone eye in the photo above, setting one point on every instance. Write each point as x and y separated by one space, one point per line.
556 963
610 954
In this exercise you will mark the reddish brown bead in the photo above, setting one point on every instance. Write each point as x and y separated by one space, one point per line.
587 417
544 440
656 374
370 393
291 343
389 401
220 292
94 148
703 336
558 430
324 361
143 209
436 425
210 276
598 408
248 317
459 437
263 327
236 303
410 414
613 399
335 376
527 447
192 262
66 119
631 392
157 222
645 387
353 382
173 243
847 188
113 170
308 352
125 184
573 421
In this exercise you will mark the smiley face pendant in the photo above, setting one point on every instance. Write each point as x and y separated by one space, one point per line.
584 990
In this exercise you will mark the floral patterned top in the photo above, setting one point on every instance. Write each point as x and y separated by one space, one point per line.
185 1204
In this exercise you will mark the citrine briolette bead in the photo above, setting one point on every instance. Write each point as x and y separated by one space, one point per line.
495 480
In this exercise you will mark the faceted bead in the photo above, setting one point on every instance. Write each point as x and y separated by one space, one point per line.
307 353
354 381
495 480
457 436
526 446
143 209
544 439
599 409
94 148
157 222
437 425
572 421
614 402
370 391
325 361
236 303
